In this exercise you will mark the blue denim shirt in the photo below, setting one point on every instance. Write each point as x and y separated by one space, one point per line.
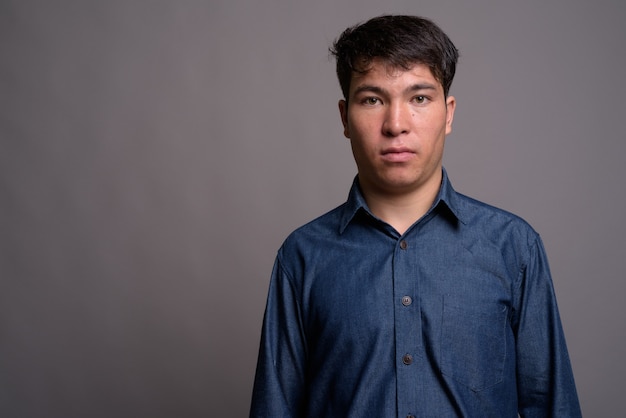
457 317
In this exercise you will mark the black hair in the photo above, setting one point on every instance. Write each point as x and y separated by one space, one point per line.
400 41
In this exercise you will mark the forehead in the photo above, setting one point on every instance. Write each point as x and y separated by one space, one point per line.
380 72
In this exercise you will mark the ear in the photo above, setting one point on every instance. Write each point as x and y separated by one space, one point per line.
450 107
343 112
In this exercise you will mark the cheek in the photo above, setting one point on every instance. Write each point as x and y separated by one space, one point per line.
358 148
435 127
364 153
364 131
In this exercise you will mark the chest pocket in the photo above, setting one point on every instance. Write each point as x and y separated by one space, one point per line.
473 345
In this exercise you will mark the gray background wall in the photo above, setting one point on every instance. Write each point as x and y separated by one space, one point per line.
154 155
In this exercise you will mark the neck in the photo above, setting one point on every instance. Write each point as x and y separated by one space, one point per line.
401 210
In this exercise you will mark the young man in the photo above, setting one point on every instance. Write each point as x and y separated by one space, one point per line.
409 300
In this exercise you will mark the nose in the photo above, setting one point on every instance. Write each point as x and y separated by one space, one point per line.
397 120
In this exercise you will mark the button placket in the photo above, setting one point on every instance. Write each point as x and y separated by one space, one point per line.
407 321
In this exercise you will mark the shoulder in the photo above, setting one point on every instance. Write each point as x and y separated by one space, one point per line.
494 222
319 231
310 245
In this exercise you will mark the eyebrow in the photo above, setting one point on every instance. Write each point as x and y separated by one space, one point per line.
367 88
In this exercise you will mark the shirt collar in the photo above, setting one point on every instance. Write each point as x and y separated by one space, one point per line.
447 197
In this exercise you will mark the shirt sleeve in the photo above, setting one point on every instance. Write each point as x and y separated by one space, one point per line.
279 384
545 380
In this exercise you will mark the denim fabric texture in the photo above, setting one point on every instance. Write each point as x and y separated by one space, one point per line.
457 317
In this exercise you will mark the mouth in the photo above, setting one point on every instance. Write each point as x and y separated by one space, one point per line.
397 155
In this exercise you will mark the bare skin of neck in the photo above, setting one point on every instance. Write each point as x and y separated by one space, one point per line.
401 210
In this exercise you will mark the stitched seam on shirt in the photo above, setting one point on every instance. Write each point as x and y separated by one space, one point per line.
290 278
517 291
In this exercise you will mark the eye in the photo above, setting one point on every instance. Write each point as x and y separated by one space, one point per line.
420 99
371 101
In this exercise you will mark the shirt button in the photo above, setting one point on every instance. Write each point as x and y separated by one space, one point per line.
407 359
406 300
404 245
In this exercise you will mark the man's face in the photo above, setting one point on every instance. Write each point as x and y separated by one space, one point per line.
397 122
